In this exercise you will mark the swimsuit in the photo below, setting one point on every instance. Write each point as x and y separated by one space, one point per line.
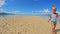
54 18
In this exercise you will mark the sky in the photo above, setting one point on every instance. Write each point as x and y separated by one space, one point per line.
28 6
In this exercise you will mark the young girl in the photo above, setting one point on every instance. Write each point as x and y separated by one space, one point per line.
53 18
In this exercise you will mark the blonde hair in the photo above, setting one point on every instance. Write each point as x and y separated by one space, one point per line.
53 7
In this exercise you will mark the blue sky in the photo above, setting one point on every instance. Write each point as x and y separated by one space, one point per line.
28 6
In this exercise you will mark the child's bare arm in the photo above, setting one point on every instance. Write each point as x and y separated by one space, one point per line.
49 18
58 17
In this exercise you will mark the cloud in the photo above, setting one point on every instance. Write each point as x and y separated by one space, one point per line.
45 11
2 2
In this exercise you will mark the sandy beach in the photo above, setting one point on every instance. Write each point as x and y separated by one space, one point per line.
26 25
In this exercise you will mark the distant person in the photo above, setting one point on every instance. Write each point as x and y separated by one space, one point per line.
53 18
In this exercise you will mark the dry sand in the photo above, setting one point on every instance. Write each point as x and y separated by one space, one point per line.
26 25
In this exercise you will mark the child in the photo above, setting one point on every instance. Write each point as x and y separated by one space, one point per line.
53 18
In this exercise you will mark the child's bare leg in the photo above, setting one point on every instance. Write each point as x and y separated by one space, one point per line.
53 28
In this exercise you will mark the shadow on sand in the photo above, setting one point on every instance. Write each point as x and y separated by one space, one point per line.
57 30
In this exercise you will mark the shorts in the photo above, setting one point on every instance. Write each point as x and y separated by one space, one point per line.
54 22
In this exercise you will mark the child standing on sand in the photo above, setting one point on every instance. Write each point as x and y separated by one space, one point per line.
53 18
